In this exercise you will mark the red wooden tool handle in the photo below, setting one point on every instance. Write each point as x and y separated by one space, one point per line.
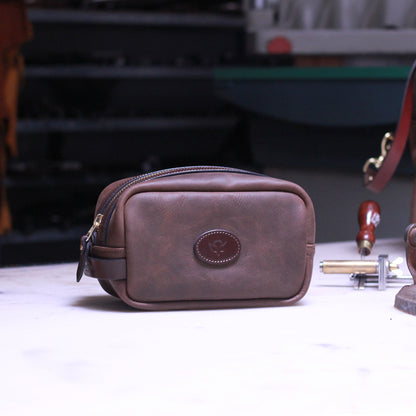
368 220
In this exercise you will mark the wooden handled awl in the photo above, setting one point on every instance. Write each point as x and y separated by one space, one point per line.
368 220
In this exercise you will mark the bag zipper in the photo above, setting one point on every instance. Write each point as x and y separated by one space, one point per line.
96 224
107 208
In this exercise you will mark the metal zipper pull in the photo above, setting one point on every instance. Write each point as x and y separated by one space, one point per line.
85 246
94 227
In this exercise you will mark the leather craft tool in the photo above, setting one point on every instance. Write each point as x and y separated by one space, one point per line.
406 298
380 272
368 220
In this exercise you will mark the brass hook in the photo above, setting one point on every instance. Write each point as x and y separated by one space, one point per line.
385 147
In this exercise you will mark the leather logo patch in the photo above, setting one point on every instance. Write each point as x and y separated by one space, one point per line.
217 247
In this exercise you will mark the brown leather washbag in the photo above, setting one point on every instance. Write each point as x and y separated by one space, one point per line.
201 237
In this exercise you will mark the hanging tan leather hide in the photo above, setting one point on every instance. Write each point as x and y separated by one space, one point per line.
15 30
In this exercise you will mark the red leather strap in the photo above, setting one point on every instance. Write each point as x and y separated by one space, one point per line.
377 179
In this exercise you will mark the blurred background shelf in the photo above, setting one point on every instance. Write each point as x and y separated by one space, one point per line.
28 126
114 72
118 88
114 91
136 18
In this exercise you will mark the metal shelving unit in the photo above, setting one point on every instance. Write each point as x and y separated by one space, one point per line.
136 18
107 95
28 126
115 72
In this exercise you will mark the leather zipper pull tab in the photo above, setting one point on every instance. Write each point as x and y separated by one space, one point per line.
84 249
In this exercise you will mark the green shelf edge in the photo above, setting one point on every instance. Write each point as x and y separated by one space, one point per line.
312 73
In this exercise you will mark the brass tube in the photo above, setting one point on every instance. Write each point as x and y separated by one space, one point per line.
349 266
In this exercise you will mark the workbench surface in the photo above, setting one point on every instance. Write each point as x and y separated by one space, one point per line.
70 348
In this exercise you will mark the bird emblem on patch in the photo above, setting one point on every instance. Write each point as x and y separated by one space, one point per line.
217 247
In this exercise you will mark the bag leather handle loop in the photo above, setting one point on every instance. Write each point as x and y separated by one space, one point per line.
378 171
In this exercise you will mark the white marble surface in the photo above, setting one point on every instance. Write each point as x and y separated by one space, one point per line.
70 348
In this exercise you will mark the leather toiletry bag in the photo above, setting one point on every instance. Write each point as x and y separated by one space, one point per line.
201 237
